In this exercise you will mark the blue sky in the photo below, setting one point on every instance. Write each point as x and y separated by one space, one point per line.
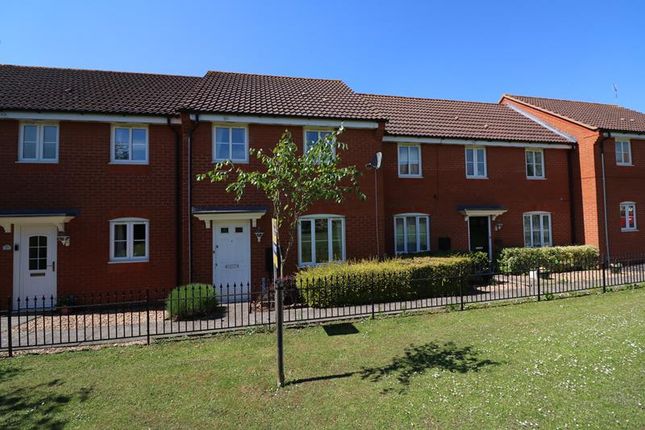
457 50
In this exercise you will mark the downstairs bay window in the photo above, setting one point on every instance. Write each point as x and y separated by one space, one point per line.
411 233
321 238
537 229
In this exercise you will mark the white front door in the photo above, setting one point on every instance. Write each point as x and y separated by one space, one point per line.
35 265
232 260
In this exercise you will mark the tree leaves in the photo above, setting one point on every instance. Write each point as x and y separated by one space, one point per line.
291 180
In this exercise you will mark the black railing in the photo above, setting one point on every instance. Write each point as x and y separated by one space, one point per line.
43 322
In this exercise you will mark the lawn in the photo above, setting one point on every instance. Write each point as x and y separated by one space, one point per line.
577 362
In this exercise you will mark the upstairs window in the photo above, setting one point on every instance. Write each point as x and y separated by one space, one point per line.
537 229
230 144
628 216
623 153
129 144
312 136
129 240
475 163
411 233
409 160
38 143
321 238
534 164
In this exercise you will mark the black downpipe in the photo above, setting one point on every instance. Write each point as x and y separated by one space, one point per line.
572 205
178 222
190 198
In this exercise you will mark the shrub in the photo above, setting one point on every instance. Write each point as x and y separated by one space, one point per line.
553 259
397 279
190 301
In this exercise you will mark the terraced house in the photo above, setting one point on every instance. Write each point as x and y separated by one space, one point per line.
99 191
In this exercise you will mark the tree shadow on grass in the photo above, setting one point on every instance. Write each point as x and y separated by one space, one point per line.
415 361
418 359
37 406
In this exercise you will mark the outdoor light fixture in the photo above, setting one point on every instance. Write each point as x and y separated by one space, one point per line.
259 234
498 226
63 238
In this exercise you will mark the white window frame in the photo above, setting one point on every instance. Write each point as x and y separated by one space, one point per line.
526 163
542 244
622 144
330 250
230 126
129 127
318 131
417 216
398 157
627 205
475 150
129 222
40 137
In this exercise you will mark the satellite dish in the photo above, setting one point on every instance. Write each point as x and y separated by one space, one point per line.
376 161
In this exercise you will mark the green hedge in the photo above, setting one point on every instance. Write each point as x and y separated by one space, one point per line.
397 279
190 301
553 259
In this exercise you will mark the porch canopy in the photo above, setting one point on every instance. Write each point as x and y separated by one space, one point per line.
492 211
208 214
58 217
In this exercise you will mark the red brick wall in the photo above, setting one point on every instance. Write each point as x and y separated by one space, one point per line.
84 180
444 187
360 218
623 184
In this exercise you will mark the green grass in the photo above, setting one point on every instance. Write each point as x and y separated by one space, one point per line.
556 364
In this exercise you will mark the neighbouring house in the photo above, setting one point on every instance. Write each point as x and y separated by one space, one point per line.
608 185
100 191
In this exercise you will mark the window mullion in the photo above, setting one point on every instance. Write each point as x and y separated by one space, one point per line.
330 244
129 241
418 234
313 240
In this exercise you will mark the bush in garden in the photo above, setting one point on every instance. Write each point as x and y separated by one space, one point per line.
397 279
190 301
552 259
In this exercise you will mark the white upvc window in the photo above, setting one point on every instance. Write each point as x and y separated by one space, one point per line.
321 238
409 160
476 162
230 143
411 233
129 144
628 216
312 136
537 229
38 142
623 152
534 163
129 240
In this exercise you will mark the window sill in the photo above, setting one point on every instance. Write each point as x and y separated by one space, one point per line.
536 178
629 230
624 165
476 177
127 261
232 161
410 176
37 162
128 163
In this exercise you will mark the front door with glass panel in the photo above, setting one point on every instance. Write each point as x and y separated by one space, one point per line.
479 229
232 260
36 265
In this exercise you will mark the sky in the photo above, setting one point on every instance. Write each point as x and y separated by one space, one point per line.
479 50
